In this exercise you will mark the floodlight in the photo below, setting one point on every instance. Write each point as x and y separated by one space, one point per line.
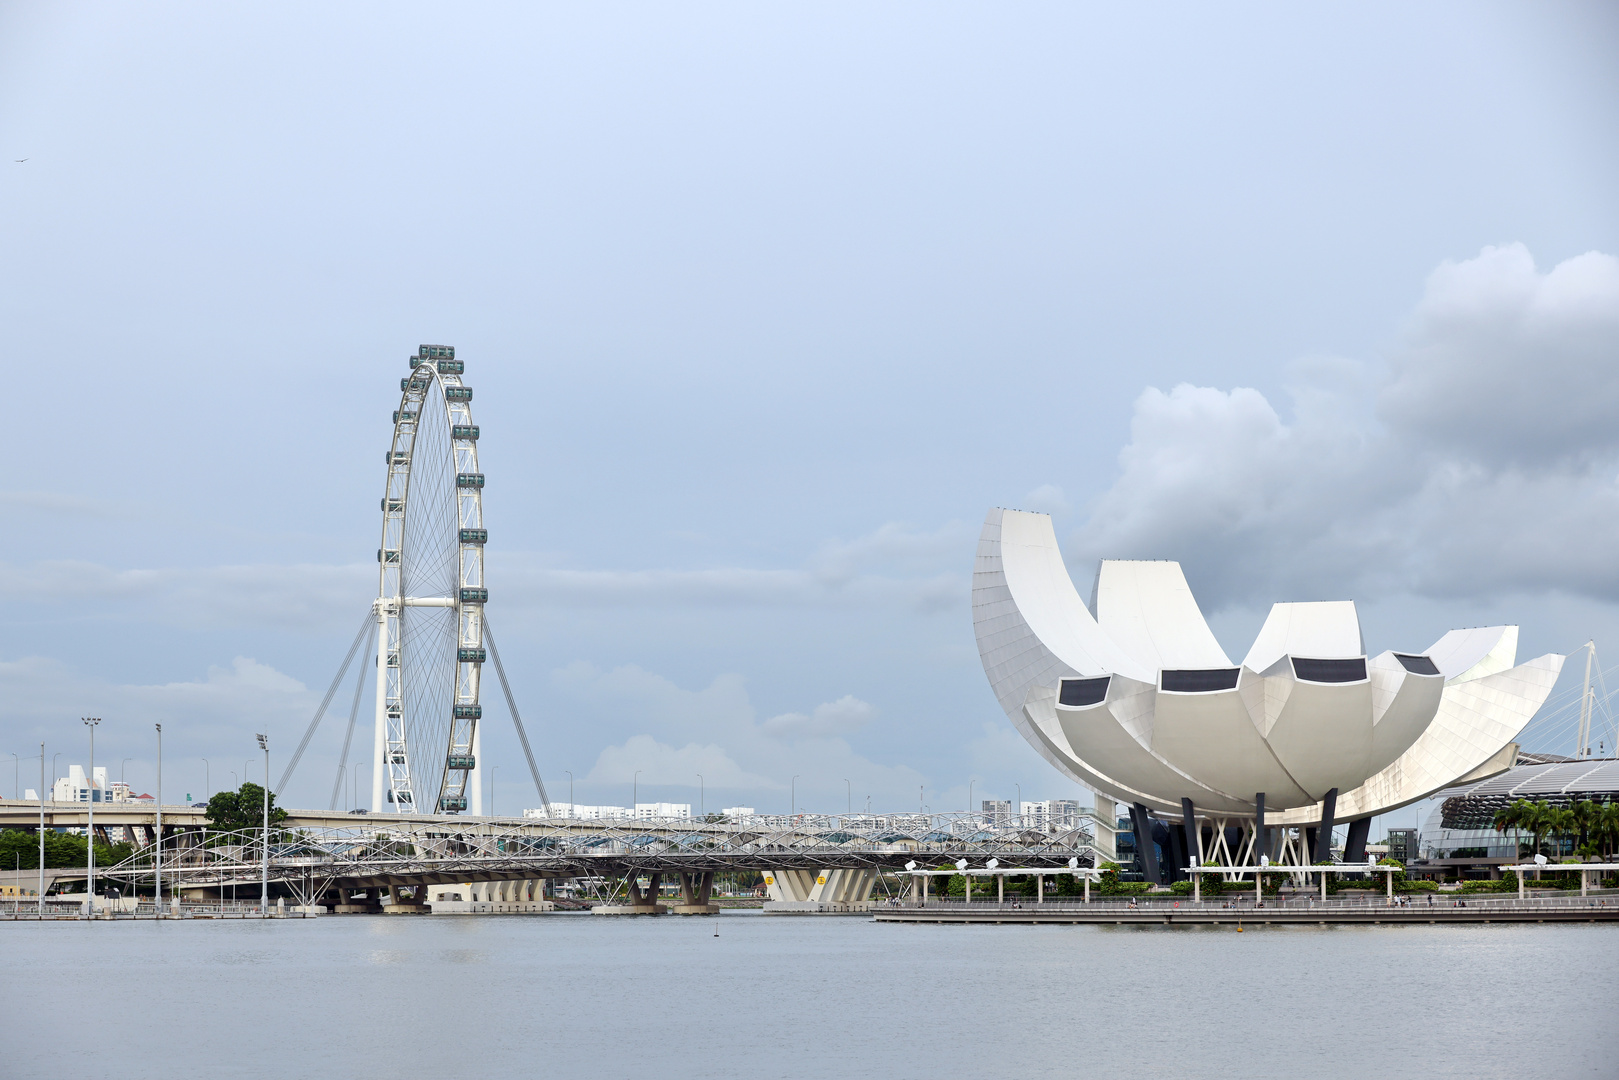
1540 860
992 864
1264 860
911 865
1073 863
961 864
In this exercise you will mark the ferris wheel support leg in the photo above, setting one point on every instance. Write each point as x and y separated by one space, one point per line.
380 741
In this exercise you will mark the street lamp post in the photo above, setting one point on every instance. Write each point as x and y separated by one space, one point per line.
121 768
42 828
1019 805
635 792
702 798
157 872
264 881
16 780
970 784
792 797
492 771
571 812
90 831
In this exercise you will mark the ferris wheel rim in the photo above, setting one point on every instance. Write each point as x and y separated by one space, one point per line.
435 379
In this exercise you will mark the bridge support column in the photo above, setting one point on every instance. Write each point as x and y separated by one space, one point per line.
636 900
393 901
695 893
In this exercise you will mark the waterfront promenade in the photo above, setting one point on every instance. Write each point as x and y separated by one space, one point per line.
1470 908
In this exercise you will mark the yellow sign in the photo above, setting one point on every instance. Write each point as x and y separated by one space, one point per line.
769 880
821 880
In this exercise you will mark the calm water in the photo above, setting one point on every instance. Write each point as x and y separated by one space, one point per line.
781 997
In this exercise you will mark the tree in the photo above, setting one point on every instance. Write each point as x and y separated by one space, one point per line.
20 851
242 810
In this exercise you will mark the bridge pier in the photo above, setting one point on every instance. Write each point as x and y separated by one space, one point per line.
826 892
394 902
695 893
636 901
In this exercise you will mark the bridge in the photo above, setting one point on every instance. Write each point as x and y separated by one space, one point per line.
393 862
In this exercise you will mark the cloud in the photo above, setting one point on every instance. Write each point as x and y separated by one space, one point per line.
298 596
1483 461
839 717
715 731
1510 366
659 763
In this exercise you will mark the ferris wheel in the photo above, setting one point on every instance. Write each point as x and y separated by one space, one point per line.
432 636
430 597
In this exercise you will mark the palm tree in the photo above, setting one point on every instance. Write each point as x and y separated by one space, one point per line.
1605 829
1541 820
1511 816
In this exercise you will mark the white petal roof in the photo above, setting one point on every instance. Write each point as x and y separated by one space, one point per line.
1155 711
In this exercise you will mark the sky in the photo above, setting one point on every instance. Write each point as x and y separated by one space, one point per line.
764 308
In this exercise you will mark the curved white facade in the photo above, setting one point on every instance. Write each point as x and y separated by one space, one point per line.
1133 697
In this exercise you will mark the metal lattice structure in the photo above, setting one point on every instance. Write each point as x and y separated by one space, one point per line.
430 597
307 861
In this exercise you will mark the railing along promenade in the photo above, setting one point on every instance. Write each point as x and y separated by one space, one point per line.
1597 906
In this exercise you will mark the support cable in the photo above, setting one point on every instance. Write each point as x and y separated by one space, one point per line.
354 711
327 700
511 707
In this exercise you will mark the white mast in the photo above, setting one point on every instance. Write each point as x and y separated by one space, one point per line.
1581 750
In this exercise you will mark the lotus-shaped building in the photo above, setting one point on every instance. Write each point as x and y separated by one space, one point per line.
1133 697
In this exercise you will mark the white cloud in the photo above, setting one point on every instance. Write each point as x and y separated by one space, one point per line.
715 732
659 763
1488 463
839 717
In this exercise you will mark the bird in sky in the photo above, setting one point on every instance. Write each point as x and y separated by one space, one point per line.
20 160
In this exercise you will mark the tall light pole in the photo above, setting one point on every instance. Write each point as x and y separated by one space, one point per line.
970 784
42 828
702 798
635 792
792 797
121 765
848 792
16 780
1019 804
492 771
90 884
157 873
53 773
264 881
571 812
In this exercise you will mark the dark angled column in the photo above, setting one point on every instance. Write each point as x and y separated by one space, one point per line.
1355 845
1141 822
1175 848
1323 838
1261 840
1189 823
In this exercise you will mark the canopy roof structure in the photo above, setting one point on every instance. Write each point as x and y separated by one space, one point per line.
1133 697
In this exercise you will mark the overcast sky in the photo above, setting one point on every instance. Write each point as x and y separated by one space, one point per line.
765 306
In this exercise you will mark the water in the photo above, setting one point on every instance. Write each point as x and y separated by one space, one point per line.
788 997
